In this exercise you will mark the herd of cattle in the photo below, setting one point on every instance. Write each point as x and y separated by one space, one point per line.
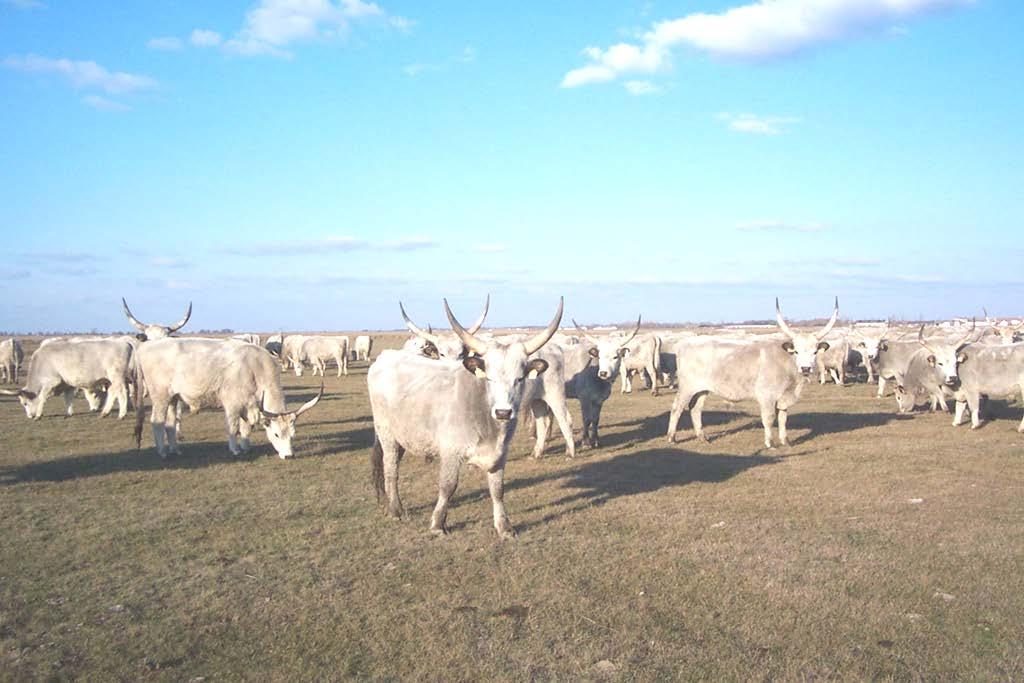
458 395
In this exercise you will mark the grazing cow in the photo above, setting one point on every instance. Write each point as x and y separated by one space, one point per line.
242 378
362 347
440 345
1008 334
318 350
461 411
832 361
643 355
248 338
274 344
920 381
88 364
155 331
892 360
591 384
11 356
773 373
291 352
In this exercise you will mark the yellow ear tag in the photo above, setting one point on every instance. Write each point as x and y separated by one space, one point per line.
480 373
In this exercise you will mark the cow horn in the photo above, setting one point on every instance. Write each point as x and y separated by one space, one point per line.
311 402
181 323
263 411
472 343
831 322
782 321
10 392
630 337
988 320
483 316
963 341
920 338
429 336
131 318
592 340
541 338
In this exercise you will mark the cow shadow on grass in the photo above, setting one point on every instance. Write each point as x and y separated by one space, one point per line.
819 424
319 445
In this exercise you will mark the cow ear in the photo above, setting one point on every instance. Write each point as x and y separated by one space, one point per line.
141 337
623 352
883 346
961 358
823 346
861 345
535 367
788 346
475 364
25 393
931 361
594 352
430 351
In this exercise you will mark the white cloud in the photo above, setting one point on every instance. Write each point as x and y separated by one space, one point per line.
759 30
781 226
272 25
203 38
104 104
82 75
165 43
757 125
330 244
467 56
643 88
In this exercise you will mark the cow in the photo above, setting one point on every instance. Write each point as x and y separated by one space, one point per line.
242 378
362 347
986 371
590 383
274 343
868 345
947 356
249 338
1008 334
461 411
318 350
11 356
147 331
440 345
771 372
64 366
291 348
644 355
832 362
920 381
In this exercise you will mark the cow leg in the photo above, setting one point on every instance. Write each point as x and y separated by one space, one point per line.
679 404
652 372
881 386
593 427
448 481
822 371
122 399
392 459
232 420
783 439
244 430
344 359
542 423
496 484
627 385
835 376
767 420
697 417
171 420
958 413
69 397
974 403
561 412
587 408
157 416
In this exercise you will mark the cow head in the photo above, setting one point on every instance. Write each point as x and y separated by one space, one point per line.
870 345
1008 334
29 400
154 331
444 345
504 367
608 352
804 346
947 357
905 399
280 427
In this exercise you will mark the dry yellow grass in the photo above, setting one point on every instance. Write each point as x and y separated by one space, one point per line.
637 561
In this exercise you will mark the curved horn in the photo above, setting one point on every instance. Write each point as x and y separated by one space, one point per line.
429 336
483 316
962 342
181 323
311 402
592 340
782 321
263 411
831 322
630 337
472 343
10 392
920 338
141 327
542 337
988 320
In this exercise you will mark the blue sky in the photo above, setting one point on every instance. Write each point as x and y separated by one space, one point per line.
304 164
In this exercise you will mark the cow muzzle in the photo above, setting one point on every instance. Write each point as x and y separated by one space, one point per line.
805 371
503 414
952 382
603 374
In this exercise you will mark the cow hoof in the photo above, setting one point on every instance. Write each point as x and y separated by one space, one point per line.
440 532
784 442
703 438
508 534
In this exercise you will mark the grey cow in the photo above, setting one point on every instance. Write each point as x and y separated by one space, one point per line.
920 381
242 378
462 411
153 331
644 355
63 366
440 345
11 356
773 373
591 384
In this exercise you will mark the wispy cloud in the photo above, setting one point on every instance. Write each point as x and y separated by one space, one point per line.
83 75
204 38
643 88
467 56
169 262
329 244
164 44
757 125
760 30
780 226
104 104
66 256
272 25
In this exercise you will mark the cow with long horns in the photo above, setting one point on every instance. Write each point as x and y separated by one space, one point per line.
773 373
463 411
443 345
149 331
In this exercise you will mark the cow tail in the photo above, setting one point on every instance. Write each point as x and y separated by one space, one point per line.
657 354
377 468
140 404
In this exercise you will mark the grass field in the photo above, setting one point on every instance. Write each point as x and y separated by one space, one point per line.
877 546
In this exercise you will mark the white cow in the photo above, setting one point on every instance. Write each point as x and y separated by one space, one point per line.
11 356
362 347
